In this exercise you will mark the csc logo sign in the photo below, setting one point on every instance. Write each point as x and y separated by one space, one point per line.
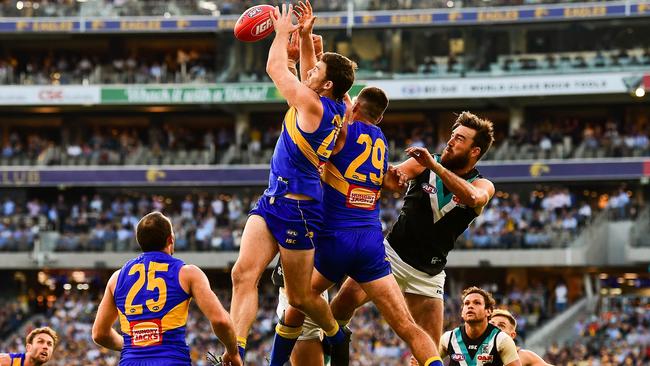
50 95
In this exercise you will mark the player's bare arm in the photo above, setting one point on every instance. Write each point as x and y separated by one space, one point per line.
103 333
475 194
196 282
530 358
306 19
298 95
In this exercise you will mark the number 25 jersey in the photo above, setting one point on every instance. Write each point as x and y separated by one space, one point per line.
153 308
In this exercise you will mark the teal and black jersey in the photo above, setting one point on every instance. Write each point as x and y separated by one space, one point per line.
16 359
492 348
430 221
353 179
299 156
152 308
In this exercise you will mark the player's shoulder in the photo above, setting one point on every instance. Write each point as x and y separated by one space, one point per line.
4 359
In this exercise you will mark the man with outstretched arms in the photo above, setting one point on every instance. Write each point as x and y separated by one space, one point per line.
445 194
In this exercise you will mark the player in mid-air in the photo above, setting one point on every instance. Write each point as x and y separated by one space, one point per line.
352 240
40 344
445 194
505 321
151 296
288 217
478 342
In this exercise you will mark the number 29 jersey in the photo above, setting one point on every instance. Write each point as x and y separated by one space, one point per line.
353 179
152 308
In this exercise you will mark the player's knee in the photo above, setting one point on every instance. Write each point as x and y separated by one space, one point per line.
297 301
241 277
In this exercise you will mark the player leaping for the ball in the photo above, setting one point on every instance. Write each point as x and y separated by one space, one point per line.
288 217
445 194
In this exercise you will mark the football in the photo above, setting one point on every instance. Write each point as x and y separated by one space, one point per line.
254 24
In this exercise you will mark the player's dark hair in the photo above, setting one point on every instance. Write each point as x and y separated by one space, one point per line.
340 71
373 102
44 330
484 130
152 232
487 296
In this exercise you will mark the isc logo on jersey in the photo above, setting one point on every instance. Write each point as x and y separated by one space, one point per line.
146 333
485 358
360 197
457 357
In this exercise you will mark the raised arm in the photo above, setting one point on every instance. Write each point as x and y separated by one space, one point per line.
306 101
199 288
475 194
306 19
103 333
508 350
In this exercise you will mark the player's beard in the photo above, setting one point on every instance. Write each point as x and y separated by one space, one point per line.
457 162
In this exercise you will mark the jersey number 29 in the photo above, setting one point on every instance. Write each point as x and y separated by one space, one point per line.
378 152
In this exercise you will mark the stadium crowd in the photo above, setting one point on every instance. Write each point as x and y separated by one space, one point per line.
171 143
374 343
112 8
618 336
213 221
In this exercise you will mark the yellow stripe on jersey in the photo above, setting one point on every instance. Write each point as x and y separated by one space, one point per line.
291 123
124 323
176 317
16 361
333 177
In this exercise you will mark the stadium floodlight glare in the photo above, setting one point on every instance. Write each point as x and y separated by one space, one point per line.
19 5
639 92
450 4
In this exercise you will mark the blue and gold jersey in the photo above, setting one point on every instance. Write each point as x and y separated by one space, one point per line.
16 359
354 177
152 308
299 156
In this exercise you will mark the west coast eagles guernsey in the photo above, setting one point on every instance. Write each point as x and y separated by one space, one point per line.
152 308
492 348
353 179
430 221
299 156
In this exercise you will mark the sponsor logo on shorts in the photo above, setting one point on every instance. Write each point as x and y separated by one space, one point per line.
361 197
485 358
429 188
146 333
457 357
290 241
310 234
436 260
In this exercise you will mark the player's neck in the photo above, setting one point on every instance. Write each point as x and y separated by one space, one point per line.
475 330
327 94
463 171
29 362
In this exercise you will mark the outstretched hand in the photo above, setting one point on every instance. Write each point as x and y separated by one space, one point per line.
282 20
306 17
293 48
422 156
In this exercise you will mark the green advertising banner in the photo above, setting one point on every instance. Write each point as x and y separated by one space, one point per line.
232 93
